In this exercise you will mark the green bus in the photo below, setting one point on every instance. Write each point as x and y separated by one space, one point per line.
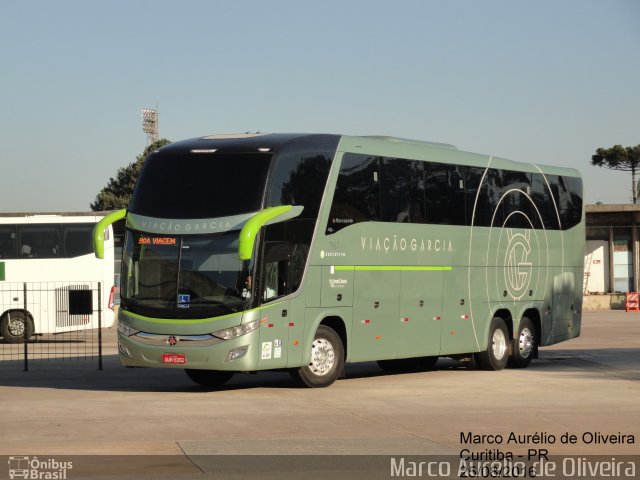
303 252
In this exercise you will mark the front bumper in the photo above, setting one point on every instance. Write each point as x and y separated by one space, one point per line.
199 351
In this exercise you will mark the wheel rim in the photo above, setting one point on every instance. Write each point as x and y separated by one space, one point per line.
525 343
16 328
323 357
499 344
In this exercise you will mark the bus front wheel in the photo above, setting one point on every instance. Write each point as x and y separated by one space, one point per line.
496 355
209 378
16 327
326 362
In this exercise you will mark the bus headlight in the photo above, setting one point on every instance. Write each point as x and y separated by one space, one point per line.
126 330
238 331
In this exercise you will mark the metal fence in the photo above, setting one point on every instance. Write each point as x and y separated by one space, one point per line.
50 322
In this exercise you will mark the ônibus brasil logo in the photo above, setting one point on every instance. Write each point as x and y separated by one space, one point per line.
34 468
517 267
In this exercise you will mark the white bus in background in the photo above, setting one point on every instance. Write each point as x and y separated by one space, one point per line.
44 261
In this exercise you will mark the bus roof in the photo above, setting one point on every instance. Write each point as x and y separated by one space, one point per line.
441 152
372 145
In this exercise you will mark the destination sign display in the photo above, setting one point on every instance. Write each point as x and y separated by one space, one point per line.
147 240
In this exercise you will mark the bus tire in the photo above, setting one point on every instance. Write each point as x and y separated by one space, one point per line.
326 363
524 345
496 355
408 364
16 326
209 378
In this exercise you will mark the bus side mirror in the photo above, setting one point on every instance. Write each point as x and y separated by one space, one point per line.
253 226
259 220
98 231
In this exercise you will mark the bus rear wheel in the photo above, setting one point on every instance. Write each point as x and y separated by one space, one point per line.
327 360
496 355
16 327
209 378
524 345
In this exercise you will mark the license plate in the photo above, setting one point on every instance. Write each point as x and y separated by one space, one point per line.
174 358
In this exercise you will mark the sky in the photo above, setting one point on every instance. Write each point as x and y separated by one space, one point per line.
541 81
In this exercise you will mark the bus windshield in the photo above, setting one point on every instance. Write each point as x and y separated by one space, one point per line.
200 185
184 276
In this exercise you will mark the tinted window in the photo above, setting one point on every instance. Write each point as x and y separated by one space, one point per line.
39 241
436 193
275 270
8 242
570 201
297 233
481 214
299 179
77 239
402 191
543 200
516 188
489 209
200 185
445 194
357 195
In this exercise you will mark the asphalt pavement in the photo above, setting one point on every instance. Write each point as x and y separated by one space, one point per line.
587 388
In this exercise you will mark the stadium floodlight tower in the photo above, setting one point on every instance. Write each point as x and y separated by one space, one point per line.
150 125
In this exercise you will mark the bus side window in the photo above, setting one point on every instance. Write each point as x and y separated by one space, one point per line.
274 280
516 189
77 239
489 209
276 271
543 200
445 194
40 241
478 211
357 195
8 242
402 191
567 193
573 210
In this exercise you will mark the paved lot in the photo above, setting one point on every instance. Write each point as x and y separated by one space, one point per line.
590 384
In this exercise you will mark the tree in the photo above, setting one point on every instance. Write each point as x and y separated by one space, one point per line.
626 159
117 194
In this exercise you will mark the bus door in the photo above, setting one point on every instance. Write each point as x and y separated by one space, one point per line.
420 321
274 284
